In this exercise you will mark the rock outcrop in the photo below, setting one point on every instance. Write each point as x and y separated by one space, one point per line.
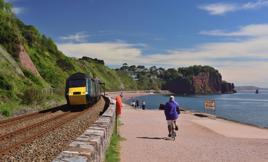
26 61
205 83
227 87
202 83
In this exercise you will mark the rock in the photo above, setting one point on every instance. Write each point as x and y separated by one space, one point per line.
227 87
26 61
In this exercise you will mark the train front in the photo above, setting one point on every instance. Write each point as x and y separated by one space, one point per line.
76 90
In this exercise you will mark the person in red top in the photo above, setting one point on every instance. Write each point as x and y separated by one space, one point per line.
118 100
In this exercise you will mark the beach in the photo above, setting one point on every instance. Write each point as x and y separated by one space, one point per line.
128 94
199 138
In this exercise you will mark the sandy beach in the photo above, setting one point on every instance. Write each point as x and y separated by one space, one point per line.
199 138
128 94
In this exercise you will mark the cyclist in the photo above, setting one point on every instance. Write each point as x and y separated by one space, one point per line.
171 113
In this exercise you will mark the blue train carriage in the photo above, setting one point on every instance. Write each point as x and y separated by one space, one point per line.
82 89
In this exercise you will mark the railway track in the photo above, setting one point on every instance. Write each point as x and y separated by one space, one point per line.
14 139
22 118
5 129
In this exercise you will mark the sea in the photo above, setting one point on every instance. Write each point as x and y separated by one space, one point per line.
244 107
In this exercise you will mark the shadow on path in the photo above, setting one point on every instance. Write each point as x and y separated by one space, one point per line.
155 138
201 115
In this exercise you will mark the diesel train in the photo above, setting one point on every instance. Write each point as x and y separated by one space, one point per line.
82 89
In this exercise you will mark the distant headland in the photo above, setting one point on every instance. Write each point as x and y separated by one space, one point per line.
195 79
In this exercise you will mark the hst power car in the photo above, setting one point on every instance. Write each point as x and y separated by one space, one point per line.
82 89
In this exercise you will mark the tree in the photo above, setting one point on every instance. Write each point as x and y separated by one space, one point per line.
171 74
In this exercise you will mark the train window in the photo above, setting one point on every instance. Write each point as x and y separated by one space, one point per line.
77 83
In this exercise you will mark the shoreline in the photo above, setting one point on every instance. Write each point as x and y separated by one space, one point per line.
133 94
212 116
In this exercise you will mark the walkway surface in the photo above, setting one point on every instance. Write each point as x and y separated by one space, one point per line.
199 139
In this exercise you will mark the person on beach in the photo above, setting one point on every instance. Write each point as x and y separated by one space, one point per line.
143 105
119 104
171 113
133 103
137 103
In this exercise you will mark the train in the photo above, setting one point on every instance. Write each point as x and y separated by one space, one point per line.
82 89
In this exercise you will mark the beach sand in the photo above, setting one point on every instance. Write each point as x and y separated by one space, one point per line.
199 139
128 94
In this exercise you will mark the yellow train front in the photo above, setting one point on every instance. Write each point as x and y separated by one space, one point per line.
82 89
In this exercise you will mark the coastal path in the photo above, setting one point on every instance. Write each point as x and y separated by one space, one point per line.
201 139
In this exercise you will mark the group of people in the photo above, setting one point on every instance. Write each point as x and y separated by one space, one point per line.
136 104
171 110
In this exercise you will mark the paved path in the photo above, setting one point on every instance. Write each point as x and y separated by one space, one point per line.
145 133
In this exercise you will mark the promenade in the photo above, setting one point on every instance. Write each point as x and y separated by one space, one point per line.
199 139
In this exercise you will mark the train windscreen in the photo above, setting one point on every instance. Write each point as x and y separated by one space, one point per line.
77 83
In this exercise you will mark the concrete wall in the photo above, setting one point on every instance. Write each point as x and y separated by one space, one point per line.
92 144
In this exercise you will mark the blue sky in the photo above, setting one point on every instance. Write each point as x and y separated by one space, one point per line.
230 36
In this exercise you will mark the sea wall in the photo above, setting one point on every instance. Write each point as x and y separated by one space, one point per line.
92 144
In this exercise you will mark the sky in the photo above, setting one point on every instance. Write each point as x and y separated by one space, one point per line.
231 36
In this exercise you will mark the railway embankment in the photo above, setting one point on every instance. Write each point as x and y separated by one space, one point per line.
42 136
92 144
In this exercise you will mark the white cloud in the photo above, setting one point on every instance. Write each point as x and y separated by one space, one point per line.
79 37
218 8
255 5
112 52
254 30
242 62
223 8
18 10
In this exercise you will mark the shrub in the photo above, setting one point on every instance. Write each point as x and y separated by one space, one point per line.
32 77
32 95
4 84
65 64
6 112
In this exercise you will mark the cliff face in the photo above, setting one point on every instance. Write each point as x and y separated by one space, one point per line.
205 83
202 83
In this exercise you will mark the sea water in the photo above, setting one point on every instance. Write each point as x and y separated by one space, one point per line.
245 106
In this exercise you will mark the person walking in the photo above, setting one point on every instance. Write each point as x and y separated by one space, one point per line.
172 114
143 105
119 104
137 103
